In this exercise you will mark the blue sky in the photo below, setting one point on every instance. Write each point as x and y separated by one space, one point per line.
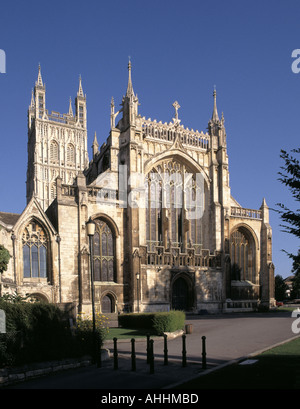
179 50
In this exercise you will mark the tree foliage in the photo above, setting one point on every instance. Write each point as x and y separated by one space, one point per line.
290 177
280 288
4 258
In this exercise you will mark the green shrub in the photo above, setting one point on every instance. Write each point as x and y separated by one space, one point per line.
136 321
168 321
157 323
34 332
84 336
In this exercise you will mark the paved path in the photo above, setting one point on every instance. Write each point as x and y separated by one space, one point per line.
228 337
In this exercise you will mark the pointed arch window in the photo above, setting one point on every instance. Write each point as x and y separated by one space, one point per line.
242 254
54 151
104 252
175 206
70 154
35 246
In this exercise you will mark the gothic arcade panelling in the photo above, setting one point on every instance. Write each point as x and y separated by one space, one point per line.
68 231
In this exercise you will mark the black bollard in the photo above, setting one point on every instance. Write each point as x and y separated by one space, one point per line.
165 350
148 348
203 353
133 362
115 354
183 351
151 357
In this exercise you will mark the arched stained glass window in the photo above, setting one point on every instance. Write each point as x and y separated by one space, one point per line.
172 186
242 254
34 242
104 253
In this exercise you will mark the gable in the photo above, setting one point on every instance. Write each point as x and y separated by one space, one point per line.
34 211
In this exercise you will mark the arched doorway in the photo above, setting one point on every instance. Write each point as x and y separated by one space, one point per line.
38 297
180 295
107 304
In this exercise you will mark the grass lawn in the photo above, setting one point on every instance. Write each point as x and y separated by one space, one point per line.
278 368
126 333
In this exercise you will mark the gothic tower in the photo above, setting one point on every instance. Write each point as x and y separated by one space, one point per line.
57 144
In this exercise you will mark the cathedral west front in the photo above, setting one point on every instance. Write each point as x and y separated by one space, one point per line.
167 232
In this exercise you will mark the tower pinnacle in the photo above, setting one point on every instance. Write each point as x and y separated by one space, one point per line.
39 81
32 99
129 92
95 145
215 116
80 90
70 108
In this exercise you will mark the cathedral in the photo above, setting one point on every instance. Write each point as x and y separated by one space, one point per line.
166 232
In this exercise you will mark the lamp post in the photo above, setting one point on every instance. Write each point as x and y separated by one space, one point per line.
91 226
137 291
58 240
14 237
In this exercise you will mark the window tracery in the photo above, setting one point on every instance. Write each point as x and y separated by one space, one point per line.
174 210
104 252
242 255
35 245
70 154
54 151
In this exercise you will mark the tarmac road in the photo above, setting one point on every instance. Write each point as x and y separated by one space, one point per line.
229 337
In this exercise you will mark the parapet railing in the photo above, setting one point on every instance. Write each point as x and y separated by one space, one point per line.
246 213
168 132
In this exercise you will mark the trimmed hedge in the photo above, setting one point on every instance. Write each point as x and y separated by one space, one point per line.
34 332
157 322
37 332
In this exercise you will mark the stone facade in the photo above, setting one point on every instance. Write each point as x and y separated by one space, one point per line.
168 232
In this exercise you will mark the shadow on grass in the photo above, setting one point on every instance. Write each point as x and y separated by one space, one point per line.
268 372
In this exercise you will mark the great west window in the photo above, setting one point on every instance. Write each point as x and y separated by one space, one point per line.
175 204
